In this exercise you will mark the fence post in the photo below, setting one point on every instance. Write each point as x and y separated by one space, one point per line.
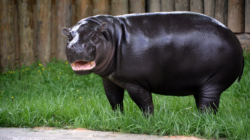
221 11
83 9
209 8
119 7
26 32
137 6
167 5
197 6
154 5
236 15
7 35
43 30
182 5
247 16
100 7
64 20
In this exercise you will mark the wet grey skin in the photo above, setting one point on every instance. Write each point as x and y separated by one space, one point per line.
175 53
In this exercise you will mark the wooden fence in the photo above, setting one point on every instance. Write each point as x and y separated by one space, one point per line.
30 30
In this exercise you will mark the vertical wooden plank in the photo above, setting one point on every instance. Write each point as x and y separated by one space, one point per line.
236 15
83 9
167 5
197 6
7 35
100 7
53 29
247 16
137 6
43 30
25 34
64 20
119 7
221 11
209 8
35 30
154 5
182 5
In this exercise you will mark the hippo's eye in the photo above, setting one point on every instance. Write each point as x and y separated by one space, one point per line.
70 37
95 37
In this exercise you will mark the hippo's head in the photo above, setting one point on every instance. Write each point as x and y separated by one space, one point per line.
84 40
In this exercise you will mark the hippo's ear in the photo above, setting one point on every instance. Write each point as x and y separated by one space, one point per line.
103 27
65 31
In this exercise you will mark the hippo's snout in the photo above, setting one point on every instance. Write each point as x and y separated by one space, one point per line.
80 52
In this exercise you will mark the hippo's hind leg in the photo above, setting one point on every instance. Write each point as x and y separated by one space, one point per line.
209 101
209 94
114 94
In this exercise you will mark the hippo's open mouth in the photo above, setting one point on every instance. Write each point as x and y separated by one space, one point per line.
83 65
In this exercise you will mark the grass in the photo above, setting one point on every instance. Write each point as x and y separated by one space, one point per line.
55 96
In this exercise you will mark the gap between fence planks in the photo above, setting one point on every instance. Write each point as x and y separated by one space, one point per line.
221 11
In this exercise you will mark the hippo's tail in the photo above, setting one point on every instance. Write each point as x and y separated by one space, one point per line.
241 71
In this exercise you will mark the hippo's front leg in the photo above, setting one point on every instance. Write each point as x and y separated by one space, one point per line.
141 97
114 94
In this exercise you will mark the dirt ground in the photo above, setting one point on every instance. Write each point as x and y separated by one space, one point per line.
48 133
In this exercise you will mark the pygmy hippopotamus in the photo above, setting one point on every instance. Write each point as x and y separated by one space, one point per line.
174 53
